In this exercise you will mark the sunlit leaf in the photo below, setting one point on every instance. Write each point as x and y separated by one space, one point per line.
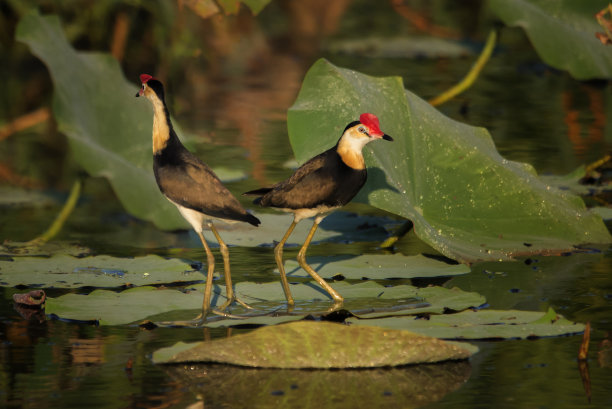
406 387
554 27
375 266
465 200
136 304
64 271
481 324
109 130
309 344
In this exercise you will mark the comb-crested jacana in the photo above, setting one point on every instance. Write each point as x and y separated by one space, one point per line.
192 187
326 182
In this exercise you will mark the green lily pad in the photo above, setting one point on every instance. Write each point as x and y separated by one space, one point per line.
64 271
557 26
464 199
375 266
309 344
482 324
137 304
108 130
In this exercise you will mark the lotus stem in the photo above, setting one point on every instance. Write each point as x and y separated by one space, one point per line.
61 218
471 76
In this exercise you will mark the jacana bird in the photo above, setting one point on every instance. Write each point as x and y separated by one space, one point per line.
192 187
324 183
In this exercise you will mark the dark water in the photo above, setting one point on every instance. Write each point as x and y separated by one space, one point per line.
535 115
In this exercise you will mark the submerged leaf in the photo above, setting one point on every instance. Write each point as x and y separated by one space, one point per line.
464 199
64 271
482 324
310 344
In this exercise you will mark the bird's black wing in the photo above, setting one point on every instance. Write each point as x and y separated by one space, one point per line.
322 181
194 185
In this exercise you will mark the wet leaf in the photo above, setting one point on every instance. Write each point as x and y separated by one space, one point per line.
310 344
375 266
137 304
465 200
108 129
482 324
557 26
405 387
339 227
64 271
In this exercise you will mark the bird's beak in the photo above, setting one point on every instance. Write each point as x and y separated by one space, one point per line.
387 137
139 93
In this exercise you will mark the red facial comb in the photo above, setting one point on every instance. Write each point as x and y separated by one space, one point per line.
145 77
371 121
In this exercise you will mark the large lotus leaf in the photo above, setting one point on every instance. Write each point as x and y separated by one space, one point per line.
136 304
310 344
65 271
108 130
556 27
406 387
375 266
465 200
482 324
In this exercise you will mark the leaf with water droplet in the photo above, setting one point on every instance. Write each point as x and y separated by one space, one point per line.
470 195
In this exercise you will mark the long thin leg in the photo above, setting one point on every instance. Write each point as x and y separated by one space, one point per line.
278 256
301 257
210 259
229 290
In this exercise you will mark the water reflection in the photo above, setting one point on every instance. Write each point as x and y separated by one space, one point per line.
404 387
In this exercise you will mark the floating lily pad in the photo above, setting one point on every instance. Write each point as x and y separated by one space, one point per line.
47 249
482 324
137 304
309 344
64 271
376 266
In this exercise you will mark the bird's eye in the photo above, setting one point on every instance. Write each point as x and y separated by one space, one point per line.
362 129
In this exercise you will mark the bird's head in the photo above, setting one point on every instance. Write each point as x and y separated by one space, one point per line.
355 136
151 87
367 129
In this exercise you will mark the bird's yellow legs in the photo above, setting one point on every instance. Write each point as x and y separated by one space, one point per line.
301 258
278 256
229 290
210 261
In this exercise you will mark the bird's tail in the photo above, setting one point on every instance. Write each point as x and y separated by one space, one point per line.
249 218
258 192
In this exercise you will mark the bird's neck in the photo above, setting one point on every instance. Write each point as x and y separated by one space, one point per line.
162 127
350 153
